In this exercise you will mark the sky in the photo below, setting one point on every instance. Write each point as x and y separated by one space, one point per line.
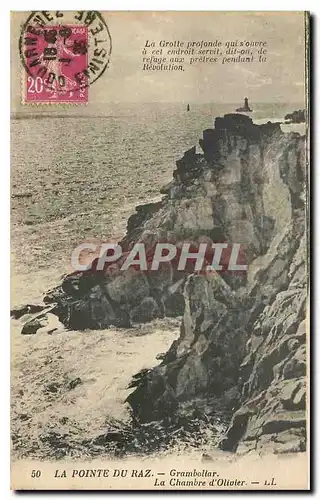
280 79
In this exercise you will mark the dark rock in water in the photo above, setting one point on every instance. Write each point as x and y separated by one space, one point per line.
31 327
74 383
109 437
25 416
53 388
298 116
21 195
20 311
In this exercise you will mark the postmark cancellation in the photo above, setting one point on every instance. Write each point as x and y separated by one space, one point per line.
62 55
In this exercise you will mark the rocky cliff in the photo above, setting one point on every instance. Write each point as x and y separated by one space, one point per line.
243 349
242 345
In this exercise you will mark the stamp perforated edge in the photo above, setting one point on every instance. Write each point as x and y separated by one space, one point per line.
62 105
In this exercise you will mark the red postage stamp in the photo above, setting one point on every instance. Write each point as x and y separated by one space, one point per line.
62 56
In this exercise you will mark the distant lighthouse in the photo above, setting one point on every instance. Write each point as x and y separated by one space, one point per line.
245 107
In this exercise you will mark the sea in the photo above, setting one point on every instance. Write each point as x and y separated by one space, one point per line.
53 152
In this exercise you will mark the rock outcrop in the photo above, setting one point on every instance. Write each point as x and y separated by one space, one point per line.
242 345
298 116
244 349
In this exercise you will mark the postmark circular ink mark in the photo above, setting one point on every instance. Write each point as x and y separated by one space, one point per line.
63 54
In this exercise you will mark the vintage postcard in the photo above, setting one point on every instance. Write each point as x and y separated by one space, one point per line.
159 240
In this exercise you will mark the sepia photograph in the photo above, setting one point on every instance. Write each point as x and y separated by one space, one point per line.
159 250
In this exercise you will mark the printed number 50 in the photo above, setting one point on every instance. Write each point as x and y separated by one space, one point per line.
36 473
35 85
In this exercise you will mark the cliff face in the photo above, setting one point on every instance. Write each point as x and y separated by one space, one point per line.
272 375
242 343
241 349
